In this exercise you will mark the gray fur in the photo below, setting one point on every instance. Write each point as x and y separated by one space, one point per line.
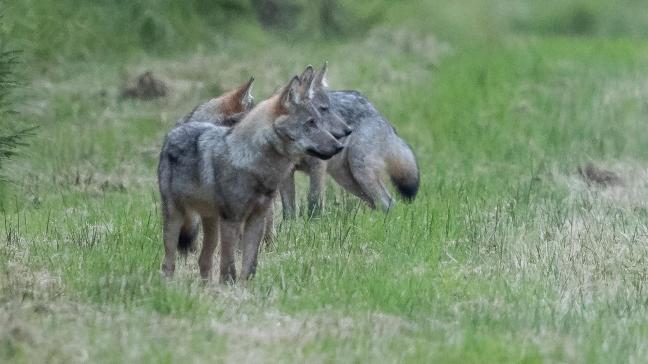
316 170
373 150
228 176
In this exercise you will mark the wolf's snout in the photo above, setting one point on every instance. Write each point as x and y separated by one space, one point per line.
345 131
328 153
338 134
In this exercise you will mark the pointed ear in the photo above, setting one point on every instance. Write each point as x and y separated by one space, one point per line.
307 75
290 95
306 79
320 77
243 94
239 99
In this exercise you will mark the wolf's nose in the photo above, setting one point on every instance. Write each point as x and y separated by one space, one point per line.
345 132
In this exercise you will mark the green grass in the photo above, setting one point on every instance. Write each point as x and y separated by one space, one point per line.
505 256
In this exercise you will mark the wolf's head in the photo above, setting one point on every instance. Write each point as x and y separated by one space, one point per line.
318 97
300 125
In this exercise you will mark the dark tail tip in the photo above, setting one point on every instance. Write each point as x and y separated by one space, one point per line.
187 239
407 187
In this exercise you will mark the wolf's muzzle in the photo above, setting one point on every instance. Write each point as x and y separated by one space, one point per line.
346 131
324 156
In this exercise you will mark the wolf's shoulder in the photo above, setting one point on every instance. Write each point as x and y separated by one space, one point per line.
185 139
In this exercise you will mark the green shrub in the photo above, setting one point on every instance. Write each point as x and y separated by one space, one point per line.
11 137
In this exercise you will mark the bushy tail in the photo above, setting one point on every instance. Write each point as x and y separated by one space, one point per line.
187 238
402 168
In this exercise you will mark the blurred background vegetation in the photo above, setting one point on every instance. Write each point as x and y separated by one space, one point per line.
12 133
68 30
59 40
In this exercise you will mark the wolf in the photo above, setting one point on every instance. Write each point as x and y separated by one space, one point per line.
229 176
374 150
226 109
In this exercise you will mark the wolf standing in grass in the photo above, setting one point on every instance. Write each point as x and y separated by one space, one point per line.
229 176
221 110
373 151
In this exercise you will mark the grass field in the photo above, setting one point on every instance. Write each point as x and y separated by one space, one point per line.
507 254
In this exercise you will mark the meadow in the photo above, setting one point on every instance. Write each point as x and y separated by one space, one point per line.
511 252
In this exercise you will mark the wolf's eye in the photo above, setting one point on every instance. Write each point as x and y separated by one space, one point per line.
311 121
323 108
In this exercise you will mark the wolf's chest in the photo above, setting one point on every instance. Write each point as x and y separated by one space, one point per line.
247 194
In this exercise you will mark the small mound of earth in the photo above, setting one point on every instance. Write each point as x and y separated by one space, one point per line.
146 87
593 175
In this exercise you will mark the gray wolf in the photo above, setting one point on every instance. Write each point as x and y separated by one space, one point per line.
228 177
226 109
374 150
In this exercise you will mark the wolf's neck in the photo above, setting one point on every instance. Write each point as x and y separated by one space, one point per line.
257 151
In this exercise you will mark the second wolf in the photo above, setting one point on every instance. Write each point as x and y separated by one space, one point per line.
374 150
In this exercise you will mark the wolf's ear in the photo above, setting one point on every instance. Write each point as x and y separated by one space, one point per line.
239 99
320 77
243 94
290 95
307 75
306 79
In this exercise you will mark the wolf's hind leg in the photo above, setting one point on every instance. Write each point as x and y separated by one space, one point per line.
210 240
372 186
172 224
342 175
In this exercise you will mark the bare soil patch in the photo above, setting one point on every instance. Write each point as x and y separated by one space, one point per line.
145 87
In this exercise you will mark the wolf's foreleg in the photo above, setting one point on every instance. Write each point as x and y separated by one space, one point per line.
269 233
317 179
287 191
230 232
210 240
254 228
